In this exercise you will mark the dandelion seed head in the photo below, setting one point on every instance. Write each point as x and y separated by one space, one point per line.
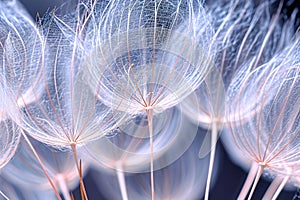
149 55
270 134
67 113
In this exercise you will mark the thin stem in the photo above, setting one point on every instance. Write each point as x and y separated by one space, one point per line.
257 177
42 165
281 186
122 184
72 196
214 136
73 146
272 188
248 182
3 195
63 187
82 188
150 125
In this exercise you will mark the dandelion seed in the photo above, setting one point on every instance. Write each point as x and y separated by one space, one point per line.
269 137
68 114
148 56
145 59
237 26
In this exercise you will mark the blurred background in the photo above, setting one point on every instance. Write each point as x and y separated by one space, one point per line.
229 179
